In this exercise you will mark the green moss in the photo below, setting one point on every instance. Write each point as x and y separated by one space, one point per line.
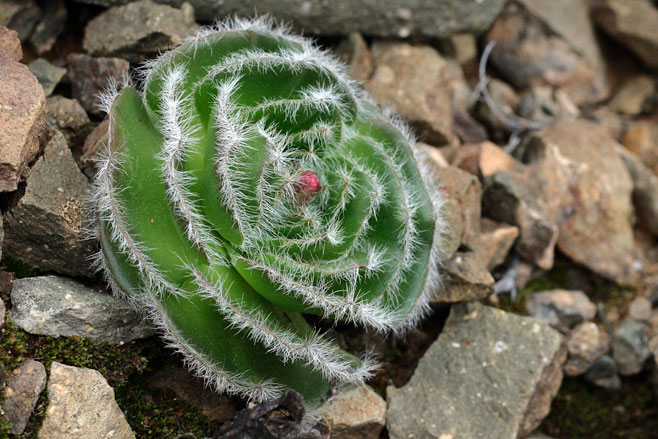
583 411
20 268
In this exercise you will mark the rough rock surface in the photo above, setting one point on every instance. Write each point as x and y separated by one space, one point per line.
47 74
355 53
216 407
631 22
496 240
94 143
10 43
413 80
489 374
526 54
71 119
20 15
138 30
81 406
466 279
604 373
432 18
354 413
45 228
560 307
464 196
51 25
645 191
24 385
590 188
641 138
586 344
92 76
22 118
630 347
56 306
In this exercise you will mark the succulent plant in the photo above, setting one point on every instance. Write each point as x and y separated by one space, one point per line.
249 181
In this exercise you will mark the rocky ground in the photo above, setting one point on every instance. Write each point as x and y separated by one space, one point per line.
546 144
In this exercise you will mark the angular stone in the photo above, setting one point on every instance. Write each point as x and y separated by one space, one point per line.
81 406
387 18
560 307
633 95
45 228
466 191
92 76
509 199
586 344
527 53
22 119
632 23
50 27
10 42
604 374
216 407
138 30
71 119
640 309
355 53
645 191
507 100
47 74
641 138
56 306
461 47
630 347
354 413
94 143
490 374
20 15
25 384
466 279
590 188
496 240
413 80
484 159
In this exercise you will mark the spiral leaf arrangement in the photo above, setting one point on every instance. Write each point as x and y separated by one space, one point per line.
248 181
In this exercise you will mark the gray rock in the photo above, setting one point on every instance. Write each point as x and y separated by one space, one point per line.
50 27
509 199
490 374
527 53
81 406
2 318
633 95
70 118
632 23
10 43
630 347
20 15
640 309
22 120
25 384
507 100
94 143
354 413
414 81
216 407
388 18
645 191
586 344
138 30
580 173
545 104
560 307
92 76
45 228
466 279
56 306
604 374
47 74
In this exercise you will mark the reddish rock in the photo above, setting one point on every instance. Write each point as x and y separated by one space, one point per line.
467 279
414 80
21 394
464 192
496 240
484 159
22 119
92 76
586 344
641 138
94 143
10 42
354 413
355 53
561 307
